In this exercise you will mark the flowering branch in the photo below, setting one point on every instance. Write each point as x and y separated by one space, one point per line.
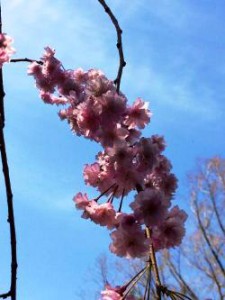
119 44
127 162
9 195
95 108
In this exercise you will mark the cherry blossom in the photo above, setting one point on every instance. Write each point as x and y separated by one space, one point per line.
128 161
81 201
129 239
111 293
171 231
150 207
6 49
103 214
116 293
138 115
91 174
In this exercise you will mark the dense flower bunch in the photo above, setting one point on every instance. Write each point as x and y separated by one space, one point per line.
5 48
128 161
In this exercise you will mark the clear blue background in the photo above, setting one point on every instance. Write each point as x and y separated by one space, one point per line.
175 60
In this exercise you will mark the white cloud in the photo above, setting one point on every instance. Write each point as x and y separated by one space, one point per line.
177 93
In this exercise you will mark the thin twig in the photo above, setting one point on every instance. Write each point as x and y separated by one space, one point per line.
143 270
214 276
182 296
177 275
172 297
148 282
15 60
213 200
119 44
8 188
204 233
133 282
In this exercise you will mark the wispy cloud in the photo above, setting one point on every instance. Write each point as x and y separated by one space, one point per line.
81 41
176 93
172 13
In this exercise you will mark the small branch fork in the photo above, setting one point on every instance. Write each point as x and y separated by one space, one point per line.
12 292
119 44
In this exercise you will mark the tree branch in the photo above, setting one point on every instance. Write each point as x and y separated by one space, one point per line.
6 295
213 200
214 277
8 189
119 44
15 60
179 278
206 236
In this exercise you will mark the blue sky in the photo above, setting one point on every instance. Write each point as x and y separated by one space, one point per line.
175 60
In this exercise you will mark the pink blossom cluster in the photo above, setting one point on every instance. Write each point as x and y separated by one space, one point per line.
116 293
128 161
5 48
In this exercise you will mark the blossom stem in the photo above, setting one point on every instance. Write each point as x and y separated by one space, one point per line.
121 201
111 198
154 264
103 193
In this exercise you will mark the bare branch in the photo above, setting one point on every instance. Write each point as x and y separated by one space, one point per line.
213 200
6 295
214 277
9 194
204 233
177 275
15 60
119 44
